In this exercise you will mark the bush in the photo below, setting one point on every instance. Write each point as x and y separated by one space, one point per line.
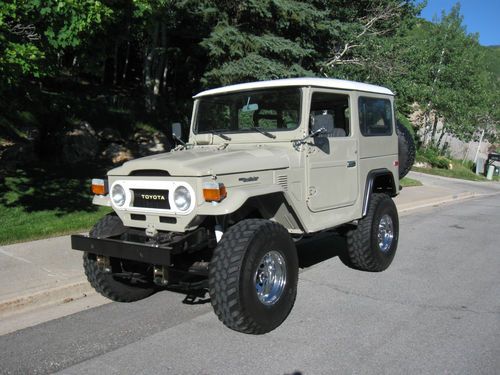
469 164
431 156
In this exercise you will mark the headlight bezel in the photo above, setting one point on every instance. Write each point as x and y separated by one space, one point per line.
181 192
123 193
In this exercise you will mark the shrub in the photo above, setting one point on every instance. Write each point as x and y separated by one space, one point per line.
432 156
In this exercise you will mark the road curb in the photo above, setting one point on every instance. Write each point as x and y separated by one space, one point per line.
53 296
408 207
452 179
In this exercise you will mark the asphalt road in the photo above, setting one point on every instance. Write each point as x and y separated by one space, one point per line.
435 310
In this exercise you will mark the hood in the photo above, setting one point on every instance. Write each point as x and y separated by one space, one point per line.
207 161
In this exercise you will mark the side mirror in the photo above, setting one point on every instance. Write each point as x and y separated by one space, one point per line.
176 130
177 133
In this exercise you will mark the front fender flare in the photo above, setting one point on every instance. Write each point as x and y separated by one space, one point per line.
236 198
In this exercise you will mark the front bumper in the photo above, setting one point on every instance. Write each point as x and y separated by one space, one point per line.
153 254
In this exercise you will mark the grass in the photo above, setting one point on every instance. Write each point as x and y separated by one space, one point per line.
19 225
409 182
458 171
41 202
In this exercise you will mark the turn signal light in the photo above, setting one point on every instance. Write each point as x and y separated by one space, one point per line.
99 186
214 191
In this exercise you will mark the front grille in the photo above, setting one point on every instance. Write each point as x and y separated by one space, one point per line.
138 217
151 198
168 220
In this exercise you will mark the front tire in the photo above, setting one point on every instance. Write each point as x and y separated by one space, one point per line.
126 281
372 245
253 276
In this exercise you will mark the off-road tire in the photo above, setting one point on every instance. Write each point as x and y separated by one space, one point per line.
406 149
107 283
363 250
233 270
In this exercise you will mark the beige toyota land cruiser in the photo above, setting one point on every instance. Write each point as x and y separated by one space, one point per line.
266 163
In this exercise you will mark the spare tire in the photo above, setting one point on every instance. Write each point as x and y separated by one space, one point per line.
406 147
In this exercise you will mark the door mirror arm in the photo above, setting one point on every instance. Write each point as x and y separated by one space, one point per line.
298 142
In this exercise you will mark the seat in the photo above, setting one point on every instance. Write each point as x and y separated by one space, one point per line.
339 132
323 121
326 121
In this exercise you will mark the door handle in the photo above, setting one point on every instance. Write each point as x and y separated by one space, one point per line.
351 163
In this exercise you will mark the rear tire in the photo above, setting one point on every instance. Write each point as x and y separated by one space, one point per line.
253 276
132 283
406 150
372 245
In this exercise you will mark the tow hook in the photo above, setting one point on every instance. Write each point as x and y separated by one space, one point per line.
103 263
160 275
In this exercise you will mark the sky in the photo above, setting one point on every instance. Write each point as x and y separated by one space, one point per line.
480 16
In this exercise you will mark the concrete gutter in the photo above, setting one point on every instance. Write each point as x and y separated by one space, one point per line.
419 204
63 294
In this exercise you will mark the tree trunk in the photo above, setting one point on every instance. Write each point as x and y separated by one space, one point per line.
115 63
426 121
441 137
149 62
434 128
161 58
125 63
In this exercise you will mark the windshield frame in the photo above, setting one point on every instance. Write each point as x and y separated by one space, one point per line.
249 130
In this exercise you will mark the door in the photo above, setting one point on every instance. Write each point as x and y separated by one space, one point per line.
332 158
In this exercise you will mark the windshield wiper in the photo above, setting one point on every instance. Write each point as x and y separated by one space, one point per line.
262 131
223 136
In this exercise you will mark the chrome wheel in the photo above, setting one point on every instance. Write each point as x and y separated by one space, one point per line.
385 233
270 278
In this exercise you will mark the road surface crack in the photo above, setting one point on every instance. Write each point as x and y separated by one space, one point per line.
424 306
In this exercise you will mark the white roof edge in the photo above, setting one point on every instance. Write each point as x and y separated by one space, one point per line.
316 82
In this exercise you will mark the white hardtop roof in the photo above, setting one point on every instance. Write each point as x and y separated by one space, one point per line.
315 82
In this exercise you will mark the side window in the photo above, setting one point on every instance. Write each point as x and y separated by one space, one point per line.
330 111
375 116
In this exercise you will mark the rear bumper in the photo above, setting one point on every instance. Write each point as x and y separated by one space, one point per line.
158 255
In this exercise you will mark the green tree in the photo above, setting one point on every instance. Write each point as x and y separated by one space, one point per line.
258 40
36 34
447 75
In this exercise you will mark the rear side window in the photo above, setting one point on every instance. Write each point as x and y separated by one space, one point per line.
375 116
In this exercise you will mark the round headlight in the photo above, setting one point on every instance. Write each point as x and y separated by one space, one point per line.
182 198
118 195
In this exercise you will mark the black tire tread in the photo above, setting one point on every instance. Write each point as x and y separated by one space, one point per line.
103 282
224 270
359 249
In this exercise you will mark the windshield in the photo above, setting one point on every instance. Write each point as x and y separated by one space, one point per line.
267 110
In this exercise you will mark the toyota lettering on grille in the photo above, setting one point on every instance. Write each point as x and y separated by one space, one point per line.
153 197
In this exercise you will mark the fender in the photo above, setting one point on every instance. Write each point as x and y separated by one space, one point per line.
236 198
372 176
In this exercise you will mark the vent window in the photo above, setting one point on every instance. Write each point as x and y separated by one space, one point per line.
149 173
